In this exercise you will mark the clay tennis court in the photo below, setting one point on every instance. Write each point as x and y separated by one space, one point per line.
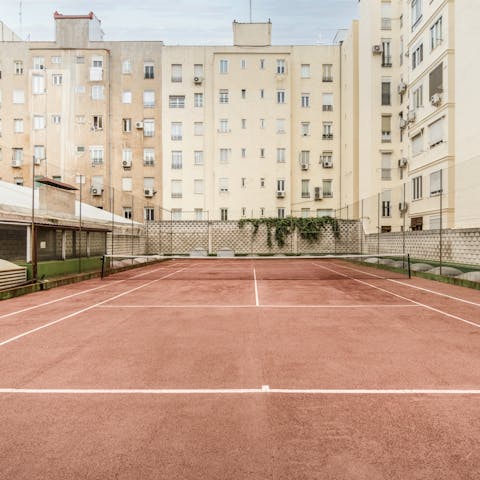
242 369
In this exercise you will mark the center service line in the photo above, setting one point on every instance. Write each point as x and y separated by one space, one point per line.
257 303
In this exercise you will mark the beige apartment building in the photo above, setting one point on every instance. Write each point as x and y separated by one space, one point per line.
381 125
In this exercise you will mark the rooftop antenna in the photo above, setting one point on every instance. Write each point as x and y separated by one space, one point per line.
250 11
20 17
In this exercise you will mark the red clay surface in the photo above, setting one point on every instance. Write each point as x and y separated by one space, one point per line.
211 326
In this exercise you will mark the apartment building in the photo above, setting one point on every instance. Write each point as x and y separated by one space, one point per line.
250 129
86 112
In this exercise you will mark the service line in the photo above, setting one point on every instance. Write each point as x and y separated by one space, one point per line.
257 303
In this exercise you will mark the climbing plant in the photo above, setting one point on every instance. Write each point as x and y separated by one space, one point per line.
309 228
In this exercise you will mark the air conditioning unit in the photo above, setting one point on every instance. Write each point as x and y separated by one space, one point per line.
403 123
402 88
148 192
37 161
327 163
402 162
139 125
97 191
16 163
377 49
436 99
126 163
403 207
198 80
304 165
318 193
280 193
411 116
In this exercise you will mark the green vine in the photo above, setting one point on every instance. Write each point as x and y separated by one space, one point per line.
309 229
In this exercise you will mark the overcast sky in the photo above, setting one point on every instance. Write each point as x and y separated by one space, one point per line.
198 22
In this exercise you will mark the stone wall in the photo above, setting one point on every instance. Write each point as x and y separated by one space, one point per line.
461 246
181 237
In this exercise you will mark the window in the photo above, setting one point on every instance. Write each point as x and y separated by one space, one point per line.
386 128
305 157
176 131
243 123
176 214
417 188
97 62
436 183
327 75
416 12
225 155
262 182
324 212
386 92
126 67
127 96
244 93
38 122
417 56
17 156
126 125
176 73
386 199
281 66
148 70
224 214
57 79
18 96
386 165
244 211
198 70
305 100
96 72
305 129
198 186
176 101
198 128
435 131
435 80
149 183
97 92
96 155
262 64
38 84
386 53
177 159
126 184
280 96
148 98
417 97
198 214
386 13
262 93
436 34
327 131
281 155
79 59
326 157
327 102
243 64
148 157
262 153
305 70
280 185
148 127
38 63
244 152
243 182
97 122
305 212
56 119
281 212
80 89
223 184
39 152
127 212
262 211
223 127
327 188
198 157
80 149
18 125
80 119
305 188
148 214
417 144
176 188
18 67
223 96
126 155
262 123
198 100
223 66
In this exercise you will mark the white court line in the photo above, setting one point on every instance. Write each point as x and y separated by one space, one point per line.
257 303
451 297
86 309
27 309
428 307
368 305
265 389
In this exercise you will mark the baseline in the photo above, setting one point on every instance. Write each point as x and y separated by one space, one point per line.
367 305
428 307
